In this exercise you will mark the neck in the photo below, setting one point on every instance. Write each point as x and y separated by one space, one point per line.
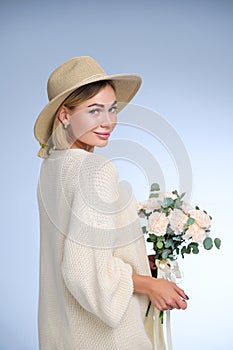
82 145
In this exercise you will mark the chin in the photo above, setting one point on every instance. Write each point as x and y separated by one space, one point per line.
102 144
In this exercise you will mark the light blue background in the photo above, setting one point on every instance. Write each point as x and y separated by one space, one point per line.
183 50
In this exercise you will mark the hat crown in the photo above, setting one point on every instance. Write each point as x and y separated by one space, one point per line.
73 72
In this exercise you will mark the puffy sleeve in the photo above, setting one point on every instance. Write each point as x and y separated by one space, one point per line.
102 284
102 217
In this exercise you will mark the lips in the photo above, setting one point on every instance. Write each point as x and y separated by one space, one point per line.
103 135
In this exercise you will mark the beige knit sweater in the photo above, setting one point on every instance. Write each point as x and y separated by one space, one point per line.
91 243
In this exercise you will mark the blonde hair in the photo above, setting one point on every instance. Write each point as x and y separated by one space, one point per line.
62 138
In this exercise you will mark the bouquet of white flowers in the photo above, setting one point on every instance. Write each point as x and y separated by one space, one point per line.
174 228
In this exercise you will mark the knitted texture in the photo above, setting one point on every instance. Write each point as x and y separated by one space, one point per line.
87 256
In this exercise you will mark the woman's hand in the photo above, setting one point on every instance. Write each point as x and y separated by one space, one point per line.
164 295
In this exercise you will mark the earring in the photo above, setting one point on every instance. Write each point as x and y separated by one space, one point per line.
65 124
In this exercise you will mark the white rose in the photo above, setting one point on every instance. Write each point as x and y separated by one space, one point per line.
177 220
186 207
201 218
197 233
157 224
152 203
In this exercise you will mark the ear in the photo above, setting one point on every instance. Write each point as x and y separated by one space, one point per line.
63 114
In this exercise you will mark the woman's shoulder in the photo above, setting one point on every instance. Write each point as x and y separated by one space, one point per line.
90 162
76 164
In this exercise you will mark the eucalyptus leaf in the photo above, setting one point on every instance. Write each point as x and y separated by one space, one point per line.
178 203
217 242
154 195
169 243
152 237
193 245
208 243
195 250
159 245
155 187
182 195
167 202
144 230
183 251
190 221
187 249
165 253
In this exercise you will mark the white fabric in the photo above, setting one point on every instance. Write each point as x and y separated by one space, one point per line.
86 296
97 211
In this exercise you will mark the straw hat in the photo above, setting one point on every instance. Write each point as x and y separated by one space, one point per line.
70 76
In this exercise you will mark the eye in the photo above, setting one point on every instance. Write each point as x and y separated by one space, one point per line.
113 109
94 111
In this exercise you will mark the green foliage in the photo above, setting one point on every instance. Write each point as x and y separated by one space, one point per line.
190 221
155 187
144 230
166 253
161 316
178 203
208 243
167 202
172 244
169 243
193 246
184 250
159 245
154 195
217 242
152 238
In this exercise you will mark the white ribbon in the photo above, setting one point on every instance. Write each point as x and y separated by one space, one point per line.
170 271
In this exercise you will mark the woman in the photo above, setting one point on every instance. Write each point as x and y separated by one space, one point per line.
95 280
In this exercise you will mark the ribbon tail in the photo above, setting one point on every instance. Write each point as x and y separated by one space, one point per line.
158 336
168 270
168 330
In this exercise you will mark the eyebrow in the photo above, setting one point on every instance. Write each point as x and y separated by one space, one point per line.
100 105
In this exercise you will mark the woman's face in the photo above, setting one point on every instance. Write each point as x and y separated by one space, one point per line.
93 120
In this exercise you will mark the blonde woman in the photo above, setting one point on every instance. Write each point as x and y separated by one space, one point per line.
95 279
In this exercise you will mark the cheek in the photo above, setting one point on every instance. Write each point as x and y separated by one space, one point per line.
81 125
88 138
114 124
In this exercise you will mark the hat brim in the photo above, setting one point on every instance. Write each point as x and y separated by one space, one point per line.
126 86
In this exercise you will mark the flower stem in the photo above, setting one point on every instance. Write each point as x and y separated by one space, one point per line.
161 317
148 309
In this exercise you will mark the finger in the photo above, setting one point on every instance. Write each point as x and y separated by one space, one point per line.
160 305
181 293
169 307
181 304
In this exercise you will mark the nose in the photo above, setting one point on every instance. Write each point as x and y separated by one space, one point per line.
108 120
